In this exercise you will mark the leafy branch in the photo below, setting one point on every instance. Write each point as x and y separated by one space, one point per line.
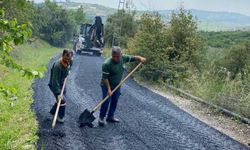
12 33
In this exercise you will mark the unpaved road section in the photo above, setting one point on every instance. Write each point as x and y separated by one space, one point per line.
148 121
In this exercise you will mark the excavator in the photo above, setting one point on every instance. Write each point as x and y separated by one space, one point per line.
90 39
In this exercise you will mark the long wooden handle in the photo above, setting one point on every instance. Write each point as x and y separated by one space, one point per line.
97 106
59 103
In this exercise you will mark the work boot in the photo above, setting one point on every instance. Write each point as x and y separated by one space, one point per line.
101 122
60 120
112 120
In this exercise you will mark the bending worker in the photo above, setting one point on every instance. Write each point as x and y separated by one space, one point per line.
112 71
59 72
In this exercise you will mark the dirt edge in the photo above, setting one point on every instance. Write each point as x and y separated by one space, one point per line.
233 128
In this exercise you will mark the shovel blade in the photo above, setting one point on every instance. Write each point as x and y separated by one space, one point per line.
86 118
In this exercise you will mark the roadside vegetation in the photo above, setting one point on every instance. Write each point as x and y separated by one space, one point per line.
55 24
23 57
211 65
18 123
225 39
119 28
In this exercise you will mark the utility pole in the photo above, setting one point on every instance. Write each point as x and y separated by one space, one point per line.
67 3
116 36
129 5
122 5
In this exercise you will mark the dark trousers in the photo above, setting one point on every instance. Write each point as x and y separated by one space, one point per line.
62 107
111 103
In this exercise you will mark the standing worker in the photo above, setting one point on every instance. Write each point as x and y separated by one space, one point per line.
59 72
112 71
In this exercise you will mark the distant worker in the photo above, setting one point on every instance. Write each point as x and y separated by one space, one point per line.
112 72
97 27
59 72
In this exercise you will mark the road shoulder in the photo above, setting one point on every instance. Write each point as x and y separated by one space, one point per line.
234 129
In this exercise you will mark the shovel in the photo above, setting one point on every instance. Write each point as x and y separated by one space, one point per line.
87 117
59 103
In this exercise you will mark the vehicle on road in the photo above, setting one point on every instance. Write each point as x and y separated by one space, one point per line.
90 39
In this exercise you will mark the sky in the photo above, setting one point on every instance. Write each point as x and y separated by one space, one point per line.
238 6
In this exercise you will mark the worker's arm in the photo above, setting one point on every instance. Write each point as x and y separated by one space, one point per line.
129 58
105 76
106 82
140 59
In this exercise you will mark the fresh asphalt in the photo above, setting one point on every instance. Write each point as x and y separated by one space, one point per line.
148 120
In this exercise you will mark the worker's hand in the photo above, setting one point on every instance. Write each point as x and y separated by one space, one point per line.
109 92
142 60
59 97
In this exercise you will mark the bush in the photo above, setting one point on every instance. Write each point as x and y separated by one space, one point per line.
120 26
55 24
177 54
171 49
225 39
237 60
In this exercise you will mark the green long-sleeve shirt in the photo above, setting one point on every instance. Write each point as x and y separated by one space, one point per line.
113 71
57 77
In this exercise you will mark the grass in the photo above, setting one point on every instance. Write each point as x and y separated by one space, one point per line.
229 94
18 125
233 95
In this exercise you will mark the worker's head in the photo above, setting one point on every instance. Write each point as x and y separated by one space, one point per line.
116 53
67 56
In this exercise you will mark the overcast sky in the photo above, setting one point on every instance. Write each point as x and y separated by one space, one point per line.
239 6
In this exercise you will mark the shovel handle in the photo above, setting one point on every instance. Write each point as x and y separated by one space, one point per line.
59 103
98 105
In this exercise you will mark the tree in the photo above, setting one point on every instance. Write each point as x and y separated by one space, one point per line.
236 61
171 49
54 24
78 15
186 44
22 10
120 26
13 33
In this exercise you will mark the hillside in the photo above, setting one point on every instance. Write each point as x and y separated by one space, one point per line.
207 20
91 10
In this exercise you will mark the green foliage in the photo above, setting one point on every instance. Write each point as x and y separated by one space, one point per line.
78 16
224 79
177 54
236 61
12 33
55 24
171 49
121 25
22 10
225 39
7 91
187 45
18 125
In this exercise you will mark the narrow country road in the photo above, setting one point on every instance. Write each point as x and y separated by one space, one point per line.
148 120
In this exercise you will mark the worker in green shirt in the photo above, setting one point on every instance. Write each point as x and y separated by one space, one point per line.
112 71
59 72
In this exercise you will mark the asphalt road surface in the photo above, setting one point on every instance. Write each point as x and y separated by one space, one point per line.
148 120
